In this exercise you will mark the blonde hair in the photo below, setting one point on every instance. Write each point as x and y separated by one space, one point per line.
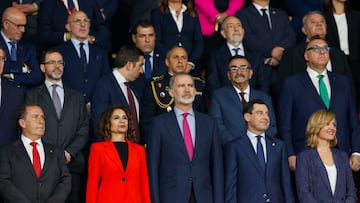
316 122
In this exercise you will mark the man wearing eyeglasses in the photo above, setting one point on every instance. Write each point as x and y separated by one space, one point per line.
227 103
313 89
21 66
67 125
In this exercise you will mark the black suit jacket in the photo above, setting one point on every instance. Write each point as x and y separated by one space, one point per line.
70 132
11 98
19 183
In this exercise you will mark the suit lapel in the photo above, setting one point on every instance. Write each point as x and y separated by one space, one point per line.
323 173
120 93
22 155
249 151
199 140
113 155
258 17
46 98
340 173
309 86
49 158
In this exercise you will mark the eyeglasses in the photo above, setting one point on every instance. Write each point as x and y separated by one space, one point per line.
78 21
2 58
55 62
319 49
242 68
17 25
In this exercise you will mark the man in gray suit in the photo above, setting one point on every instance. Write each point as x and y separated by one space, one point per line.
32 170
67 125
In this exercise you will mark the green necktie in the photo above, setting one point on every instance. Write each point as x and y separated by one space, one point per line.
323 91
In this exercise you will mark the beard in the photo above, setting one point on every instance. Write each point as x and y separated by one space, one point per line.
186 99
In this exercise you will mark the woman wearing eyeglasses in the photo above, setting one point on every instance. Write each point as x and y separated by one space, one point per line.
323 172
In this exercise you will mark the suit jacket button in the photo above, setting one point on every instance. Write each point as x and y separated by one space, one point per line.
123 180
190 179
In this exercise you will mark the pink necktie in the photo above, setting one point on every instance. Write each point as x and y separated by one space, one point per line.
187 137
36 159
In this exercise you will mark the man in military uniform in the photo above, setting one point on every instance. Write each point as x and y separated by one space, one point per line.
156 99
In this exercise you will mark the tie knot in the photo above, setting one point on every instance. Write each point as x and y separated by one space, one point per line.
259 138
12 43
320 77
147 56
127 84
185 115
81 44
33 144
236 50
242 93
263 10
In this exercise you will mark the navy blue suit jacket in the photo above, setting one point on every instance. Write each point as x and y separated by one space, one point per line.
260 40
53 17
226 108
172 174
11 98
168 36
299 99
159 68
107 93
78 77
244 179
25 54
312 179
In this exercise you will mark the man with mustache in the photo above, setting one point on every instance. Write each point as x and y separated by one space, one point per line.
184 151
227 103
67 125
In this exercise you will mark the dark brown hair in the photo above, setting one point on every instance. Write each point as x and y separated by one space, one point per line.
164 7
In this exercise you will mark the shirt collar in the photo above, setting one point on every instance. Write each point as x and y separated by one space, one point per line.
258 7
26 141
179 112
183 9
120 78
48 83
77 42
231 47
246 91
314 74
253 135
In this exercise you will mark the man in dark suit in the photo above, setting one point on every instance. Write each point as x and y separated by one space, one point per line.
184 151
268 34
83 74
227 103
32 170
21 66
67 125
116 89
157 99
143 35
256 168
313 89
11 98
293 60
53 17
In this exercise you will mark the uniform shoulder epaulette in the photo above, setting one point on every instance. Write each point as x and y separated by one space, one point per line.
199 79
157 78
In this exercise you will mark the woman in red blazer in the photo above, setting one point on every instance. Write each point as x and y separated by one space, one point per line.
117 169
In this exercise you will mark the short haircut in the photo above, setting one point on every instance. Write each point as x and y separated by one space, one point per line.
172 79
249 107
174 47
127 54
311 13
316 37
316 122
49 51
141 23
238 57
22 110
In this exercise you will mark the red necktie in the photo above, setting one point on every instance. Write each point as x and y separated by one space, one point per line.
36 159
243 101
133 110
187 137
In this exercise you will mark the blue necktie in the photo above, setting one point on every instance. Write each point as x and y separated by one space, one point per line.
70 5
236 50
13 50
147 66
82 54
260 153
265 17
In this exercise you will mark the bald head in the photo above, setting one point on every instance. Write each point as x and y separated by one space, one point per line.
14 23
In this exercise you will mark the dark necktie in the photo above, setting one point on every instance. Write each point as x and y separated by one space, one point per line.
56 100
82 54
260 153
243 101
133 110
187 137
36 159
147 66
13 51
323 91
265 18
236 50
70 5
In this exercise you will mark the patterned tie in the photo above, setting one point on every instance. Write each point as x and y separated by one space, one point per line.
236 50
260 153
323 91
56 100
133 110
265 18
36 159
243 101
82 54
13 51
187 137
147 66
